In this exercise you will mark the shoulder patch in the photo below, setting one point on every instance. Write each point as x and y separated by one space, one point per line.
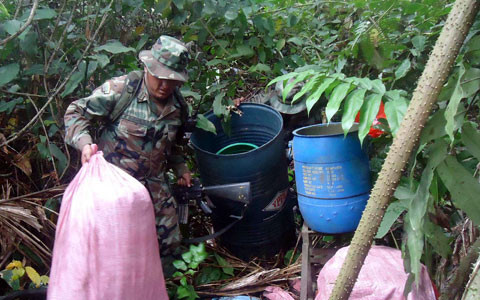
106 88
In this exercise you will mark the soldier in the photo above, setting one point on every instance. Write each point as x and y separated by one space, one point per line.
141 115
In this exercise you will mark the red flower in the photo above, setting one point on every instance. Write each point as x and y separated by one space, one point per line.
375 132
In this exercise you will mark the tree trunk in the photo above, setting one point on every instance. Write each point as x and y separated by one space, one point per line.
425 95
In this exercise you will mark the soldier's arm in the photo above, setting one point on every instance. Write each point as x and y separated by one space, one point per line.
176 162
81 113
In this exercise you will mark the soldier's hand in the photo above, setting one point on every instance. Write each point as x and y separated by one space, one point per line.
87 152
185 180
238 101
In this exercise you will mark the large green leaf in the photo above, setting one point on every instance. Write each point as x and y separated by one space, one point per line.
352 106
453 104
313 98
336 98
78 76
437 238
307 88
463 187
414 219
403 69
205 124
60 156
471 138
301 77
3 12
471 82
8 73
282 78
395 110
114 47
435 126
45 14
378 87
368 113
242 50
392 213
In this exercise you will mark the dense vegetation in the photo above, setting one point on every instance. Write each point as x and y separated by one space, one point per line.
350 55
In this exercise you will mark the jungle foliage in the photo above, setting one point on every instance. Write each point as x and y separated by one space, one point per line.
349 57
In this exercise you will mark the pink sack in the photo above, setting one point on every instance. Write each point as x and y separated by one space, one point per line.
106 244
382 277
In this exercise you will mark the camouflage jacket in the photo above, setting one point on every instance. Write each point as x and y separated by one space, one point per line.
141 141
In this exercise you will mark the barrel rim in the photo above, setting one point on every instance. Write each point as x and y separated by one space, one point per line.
336 125
278 115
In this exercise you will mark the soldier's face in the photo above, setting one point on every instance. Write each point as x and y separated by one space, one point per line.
160 88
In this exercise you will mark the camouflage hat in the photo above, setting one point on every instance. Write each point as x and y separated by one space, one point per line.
287 107
167 59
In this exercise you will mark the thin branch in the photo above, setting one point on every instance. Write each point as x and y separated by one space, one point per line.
35 118
23 94
19 7
22 29
46 136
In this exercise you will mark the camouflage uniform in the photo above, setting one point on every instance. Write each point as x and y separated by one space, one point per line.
142 140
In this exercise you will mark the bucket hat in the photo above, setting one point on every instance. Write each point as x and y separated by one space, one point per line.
167 59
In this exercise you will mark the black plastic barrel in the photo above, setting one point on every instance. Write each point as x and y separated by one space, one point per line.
268 225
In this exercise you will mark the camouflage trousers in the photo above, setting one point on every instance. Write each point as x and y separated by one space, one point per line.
166 217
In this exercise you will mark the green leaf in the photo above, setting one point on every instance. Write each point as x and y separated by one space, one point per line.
78 76
187 256
471 82
453 104
102 59
419 42
232 13
392 213
208 274
280 44
437 238
199 252
114 47
463 187
352 106
471 138
403 69
205 124
44 14
141 43
8 73
311 83
368 113
395 110
260 68
226 268
187 292
9 106
218 108
414 219
58 154
180 265
435 126
12 26
282 78
179 3
317 93
291 84
215 62
3 12
378 87
243 50
338 94
295 40
183 281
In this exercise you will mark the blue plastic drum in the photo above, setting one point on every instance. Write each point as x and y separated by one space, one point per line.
332 177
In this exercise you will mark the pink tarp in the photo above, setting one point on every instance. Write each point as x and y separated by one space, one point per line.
382 277
105 244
